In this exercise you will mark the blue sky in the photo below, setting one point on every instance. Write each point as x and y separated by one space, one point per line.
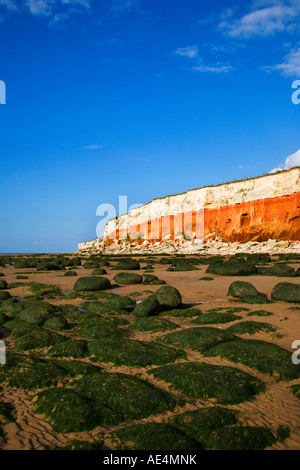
142 98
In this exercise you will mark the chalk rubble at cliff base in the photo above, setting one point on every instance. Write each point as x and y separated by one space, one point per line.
216 246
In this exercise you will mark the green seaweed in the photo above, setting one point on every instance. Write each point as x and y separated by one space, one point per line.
267 358
199 339
133 353
153 436
202 422
241 438
152 324
226 385
251 327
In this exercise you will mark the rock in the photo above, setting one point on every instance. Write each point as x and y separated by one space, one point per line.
286 292
3 284
128 278
147 307
168 297
128 264
246 292
90 284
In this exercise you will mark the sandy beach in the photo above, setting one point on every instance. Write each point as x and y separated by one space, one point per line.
277 407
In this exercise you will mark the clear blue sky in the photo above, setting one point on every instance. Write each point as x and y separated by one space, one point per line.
142 98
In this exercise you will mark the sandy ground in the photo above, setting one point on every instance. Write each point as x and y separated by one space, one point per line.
276 407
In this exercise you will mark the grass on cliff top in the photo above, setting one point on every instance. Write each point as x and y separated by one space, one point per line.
220 184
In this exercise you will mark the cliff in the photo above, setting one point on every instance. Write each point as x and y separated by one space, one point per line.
257 209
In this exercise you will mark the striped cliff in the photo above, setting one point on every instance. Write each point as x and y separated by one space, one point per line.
257 209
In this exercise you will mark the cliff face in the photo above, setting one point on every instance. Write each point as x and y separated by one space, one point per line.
257 209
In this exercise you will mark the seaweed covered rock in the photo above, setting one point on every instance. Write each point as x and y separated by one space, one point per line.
113 304
38 338
133 353
7 412
181 313
103 331
296 390
68 411
164 261
199 339
211 260
241 438
36 312
109 308
265 357
286 292
45 290
260 313
150 279
147 307
128 278
3 318
70 274
120 300
21 264
127 264
96 320
247 293
202 422
76 368
184 265
278 270
232 269
204 381
216 318
29 373
56 323
80 445
126 395
70 348
90 284
153 324
251 327
3 284
4 295
259 258
168 297
153 436
8 304
19 328
47 266
99 272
